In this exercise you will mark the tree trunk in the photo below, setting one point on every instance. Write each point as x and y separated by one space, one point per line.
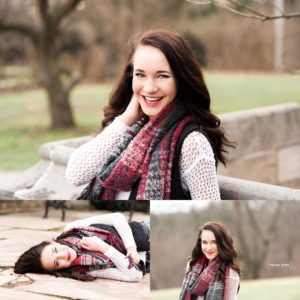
59 105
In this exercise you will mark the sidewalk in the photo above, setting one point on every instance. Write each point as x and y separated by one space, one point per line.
18 232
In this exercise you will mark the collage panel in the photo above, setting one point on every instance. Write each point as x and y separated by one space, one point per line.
149 100
225 250
77 251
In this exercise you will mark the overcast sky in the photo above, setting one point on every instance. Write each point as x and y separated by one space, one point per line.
174 206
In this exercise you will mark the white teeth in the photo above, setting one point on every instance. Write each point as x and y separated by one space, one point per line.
152 99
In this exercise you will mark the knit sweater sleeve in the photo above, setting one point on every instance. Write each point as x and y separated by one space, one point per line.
233 284
197 168
86 160
117 220
122 271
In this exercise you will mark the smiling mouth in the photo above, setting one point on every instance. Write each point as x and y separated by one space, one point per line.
152 101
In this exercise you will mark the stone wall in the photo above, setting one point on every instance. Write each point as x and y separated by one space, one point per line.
268 144
268 151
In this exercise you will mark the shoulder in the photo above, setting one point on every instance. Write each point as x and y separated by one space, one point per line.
233 273
196 144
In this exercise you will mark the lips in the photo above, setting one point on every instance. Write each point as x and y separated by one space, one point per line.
69 255
152 101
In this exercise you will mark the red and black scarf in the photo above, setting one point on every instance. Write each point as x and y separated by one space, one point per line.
201 281
145 155
90 260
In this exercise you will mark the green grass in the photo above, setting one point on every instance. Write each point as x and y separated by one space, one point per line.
232 92
25 120
266 289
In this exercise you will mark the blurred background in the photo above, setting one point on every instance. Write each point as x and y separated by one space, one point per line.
264 234
60 58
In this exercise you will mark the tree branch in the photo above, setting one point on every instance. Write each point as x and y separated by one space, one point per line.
61 12
23 29
43 8
227 5
74 79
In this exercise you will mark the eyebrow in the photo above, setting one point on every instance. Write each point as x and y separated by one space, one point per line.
159 71
54 266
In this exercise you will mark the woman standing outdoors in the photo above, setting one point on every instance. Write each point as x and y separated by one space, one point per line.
213 271
104 246
160 139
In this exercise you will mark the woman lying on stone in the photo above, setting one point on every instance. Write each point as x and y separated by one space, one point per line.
104 246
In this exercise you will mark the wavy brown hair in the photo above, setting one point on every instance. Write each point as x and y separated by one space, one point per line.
192 92
227 252
30 262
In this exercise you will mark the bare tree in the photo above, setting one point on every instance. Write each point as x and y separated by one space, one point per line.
256 246
251 9
45 32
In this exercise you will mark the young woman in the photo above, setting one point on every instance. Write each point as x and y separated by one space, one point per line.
103 246
213 271
160 139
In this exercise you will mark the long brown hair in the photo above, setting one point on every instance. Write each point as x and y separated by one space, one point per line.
30 262
191 88
227 252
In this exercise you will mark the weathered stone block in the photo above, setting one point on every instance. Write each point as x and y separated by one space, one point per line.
289 164
263 128
261 166
12 294
51 186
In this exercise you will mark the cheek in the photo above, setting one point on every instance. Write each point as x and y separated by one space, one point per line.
135 85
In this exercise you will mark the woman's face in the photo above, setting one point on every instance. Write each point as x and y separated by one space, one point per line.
56 256
209 244
153 81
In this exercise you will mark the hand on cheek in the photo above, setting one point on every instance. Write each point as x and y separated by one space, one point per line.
132 113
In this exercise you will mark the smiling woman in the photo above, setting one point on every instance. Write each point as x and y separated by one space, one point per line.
104 246
213 271
160 139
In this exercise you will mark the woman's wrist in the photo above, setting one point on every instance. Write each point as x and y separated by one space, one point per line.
127 119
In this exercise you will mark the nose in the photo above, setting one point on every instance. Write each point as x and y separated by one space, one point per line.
208 247
150 86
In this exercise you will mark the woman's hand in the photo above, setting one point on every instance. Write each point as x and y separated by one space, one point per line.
133 253
93 243
132 113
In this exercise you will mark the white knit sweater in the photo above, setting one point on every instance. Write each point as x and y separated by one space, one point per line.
121 272
197 163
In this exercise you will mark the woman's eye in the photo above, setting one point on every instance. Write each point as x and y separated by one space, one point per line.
163 76
139 75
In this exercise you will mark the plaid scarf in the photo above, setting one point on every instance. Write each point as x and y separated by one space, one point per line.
200 281
144 155
90 260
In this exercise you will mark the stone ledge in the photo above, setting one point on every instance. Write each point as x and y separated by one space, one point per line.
264 128
240 189
45 149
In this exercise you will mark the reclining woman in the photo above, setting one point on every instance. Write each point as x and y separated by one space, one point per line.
103 246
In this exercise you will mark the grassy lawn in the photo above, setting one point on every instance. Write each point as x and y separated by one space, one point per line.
25 121
266 289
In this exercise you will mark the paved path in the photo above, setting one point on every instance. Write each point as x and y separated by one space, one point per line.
18 232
